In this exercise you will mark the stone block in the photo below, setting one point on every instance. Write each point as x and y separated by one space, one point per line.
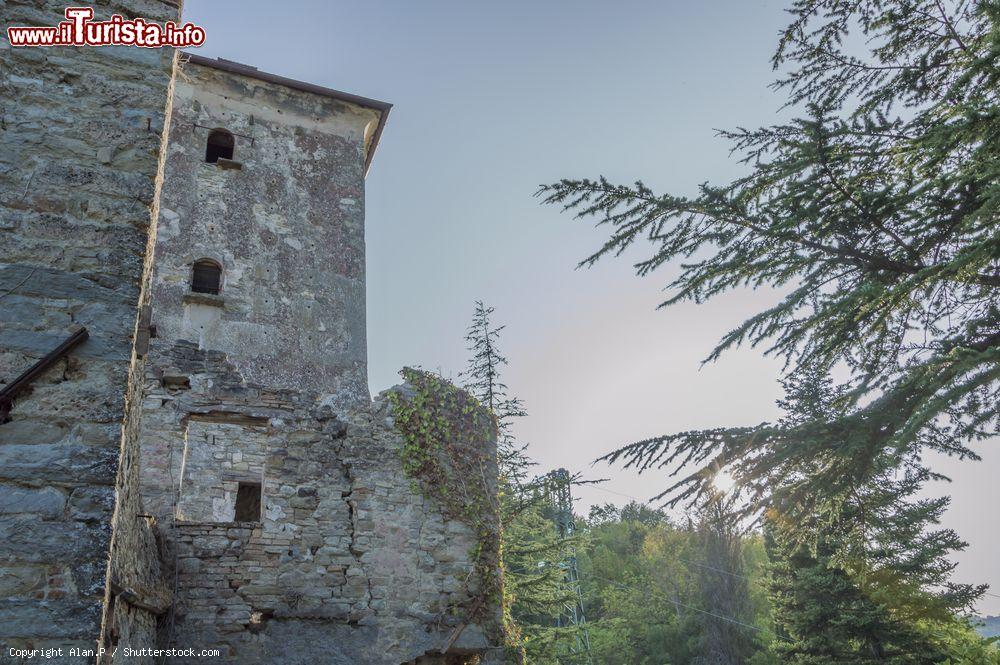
66 619
29 540
58 462
45 502
17 432
22 580
91 503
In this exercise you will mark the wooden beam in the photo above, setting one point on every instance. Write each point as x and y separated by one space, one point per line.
18 385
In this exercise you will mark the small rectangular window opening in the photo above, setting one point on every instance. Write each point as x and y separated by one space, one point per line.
206 277
248 502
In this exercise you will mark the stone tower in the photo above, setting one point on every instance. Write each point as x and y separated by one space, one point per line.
80 143
206 470
286 528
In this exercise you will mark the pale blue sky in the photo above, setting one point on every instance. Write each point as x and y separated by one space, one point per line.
493 99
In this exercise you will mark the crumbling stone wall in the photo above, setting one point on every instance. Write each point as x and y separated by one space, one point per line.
350 561
80 136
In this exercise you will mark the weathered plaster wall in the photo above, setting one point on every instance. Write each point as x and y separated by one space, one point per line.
350 562
288 229
80 135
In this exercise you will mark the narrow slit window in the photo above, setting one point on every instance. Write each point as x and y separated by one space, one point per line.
220 145
206 276
248 502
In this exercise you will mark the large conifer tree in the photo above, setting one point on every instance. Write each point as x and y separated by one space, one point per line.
867 582
825 618
876 214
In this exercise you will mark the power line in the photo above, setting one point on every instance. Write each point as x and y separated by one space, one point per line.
723 618
750 579
731 619
627 496
718 570
692 608
677 602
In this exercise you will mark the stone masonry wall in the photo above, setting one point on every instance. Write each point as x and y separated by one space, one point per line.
217 456
118 470
80 136
266 381
350 562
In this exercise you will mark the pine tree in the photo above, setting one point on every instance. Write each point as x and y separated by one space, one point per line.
866 583
535 592
876 212
483 378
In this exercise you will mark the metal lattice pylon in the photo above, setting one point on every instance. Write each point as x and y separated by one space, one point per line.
572 614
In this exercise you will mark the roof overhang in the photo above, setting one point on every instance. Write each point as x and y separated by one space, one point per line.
252 72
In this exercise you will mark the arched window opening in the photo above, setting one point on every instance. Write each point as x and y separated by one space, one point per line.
220 144
206 276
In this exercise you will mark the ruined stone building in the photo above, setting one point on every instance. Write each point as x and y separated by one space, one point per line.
206 469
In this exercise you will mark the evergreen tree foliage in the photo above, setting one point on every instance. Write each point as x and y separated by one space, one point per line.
534 587
648 590
876 213
824 617
868 583
483 378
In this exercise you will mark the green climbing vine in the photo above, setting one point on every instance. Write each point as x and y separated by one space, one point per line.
449 451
